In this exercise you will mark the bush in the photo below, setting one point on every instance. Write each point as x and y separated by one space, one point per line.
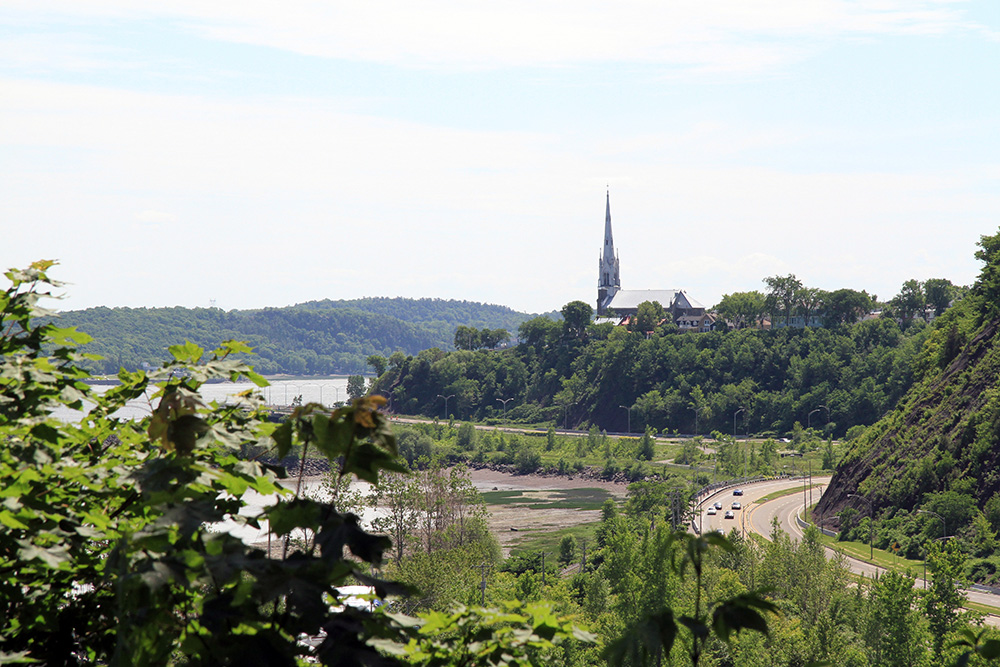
854 433
466 438
528 460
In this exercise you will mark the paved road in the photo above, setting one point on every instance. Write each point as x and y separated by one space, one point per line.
757 517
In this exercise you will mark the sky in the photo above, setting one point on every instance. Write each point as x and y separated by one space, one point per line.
252 154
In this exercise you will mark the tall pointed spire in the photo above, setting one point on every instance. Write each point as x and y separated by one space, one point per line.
609 242
608 282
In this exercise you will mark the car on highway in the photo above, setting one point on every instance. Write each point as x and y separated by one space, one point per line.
718 504
711 510
737 492
730 515
736 505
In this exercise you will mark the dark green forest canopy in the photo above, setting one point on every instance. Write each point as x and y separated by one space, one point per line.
667 381
314 338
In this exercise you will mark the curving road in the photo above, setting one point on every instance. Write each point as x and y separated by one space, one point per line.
757 517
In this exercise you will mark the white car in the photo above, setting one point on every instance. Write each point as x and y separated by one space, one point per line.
737 505
711 510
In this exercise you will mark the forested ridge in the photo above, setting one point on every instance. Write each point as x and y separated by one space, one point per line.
313 338
750 380
931 467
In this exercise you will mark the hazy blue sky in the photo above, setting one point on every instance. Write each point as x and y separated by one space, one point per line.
268 153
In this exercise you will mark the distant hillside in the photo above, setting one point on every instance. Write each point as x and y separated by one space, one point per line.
319 337
437 311
943 436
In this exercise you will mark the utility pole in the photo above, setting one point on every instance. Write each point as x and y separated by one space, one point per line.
543 569
482 584
583 559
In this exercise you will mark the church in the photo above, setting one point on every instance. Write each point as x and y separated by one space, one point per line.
620 305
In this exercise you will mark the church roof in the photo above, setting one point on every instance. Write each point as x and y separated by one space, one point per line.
629 299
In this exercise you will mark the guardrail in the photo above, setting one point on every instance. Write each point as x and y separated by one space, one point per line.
805 524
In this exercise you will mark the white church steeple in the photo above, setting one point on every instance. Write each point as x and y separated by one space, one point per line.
608 281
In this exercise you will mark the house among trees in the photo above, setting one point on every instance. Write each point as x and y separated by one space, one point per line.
614 302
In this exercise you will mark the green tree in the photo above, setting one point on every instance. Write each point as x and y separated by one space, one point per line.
576 318
378 363
466 338
845 306
782 294
355 386
646 447
743 309
945 599
567 550
909 301
894 632
649 314
939 292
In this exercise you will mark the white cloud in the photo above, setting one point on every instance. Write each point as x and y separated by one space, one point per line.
284 200
722 35
155 217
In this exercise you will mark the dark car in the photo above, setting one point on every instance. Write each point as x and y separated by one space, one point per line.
737 492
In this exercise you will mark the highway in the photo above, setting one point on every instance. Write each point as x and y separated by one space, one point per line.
756 517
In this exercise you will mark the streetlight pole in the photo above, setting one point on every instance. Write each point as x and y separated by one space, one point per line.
446 403
944 524
871 524
734 422
629 410
504 401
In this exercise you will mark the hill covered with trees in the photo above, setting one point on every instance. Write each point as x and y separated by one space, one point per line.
313 338
749 380
931 467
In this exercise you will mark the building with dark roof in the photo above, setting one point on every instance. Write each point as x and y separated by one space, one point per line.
613 301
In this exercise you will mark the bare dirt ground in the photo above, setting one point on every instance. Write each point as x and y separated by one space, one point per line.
510 522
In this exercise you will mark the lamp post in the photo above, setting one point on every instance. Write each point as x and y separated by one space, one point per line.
695 420
871 524
809 418
944 524
446 402
504 401
629 410
734 422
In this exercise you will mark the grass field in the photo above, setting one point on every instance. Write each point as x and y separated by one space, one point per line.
575 499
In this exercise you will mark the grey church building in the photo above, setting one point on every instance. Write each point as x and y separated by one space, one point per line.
613 301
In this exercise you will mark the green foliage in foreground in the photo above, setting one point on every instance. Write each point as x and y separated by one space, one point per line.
112 551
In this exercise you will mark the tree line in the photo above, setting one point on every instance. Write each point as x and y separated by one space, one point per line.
315 338
787 297
579 374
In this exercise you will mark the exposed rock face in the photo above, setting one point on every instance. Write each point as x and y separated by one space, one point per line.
944 431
